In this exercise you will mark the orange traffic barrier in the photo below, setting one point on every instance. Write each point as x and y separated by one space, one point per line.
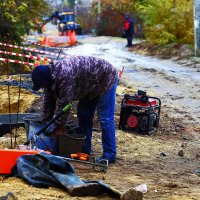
47 41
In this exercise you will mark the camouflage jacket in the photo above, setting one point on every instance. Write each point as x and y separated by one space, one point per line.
74 78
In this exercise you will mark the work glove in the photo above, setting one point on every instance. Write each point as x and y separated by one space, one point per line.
51 129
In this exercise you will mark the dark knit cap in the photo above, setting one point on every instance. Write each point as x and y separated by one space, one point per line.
41 77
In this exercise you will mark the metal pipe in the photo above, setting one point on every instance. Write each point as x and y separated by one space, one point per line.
101 166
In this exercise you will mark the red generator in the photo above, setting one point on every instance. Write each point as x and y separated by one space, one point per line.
140 113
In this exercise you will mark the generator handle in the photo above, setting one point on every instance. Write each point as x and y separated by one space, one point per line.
158 101
142 100
133 98
151 97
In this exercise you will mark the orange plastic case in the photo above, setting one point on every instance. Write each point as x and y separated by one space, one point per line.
8 158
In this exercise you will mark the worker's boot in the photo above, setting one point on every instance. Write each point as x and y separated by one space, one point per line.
109 159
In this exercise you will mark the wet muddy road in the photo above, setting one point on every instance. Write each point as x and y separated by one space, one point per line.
176 82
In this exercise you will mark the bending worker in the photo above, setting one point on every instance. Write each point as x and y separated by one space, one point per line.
90 80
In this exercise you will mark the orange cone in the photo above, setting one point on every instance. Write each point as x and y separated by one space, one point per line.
44 41
72 37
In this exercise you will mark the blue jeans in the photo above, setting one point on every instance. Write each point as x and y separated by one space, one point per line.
105 105
129 40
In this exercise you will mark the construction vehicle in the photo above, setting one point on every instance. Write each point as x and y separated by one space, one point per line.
66 25
66 22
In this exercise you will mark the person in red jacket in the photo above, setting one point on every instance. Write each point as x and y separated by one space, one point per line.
129 30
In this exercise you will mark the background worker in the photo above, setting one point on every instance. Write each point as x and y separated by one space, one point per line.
90 80
129 30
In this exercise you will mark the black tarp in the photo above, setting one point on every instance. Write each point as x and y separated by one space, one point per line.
44 170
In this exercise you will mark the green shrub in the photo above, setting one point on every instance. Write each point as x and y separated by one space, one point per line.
167 21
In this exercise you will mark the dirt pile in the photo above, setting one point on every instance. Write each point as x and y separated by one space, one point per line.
18 97
25 100
164 52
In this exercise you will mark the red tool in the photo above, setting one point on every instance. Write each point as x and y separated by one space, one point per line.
80 156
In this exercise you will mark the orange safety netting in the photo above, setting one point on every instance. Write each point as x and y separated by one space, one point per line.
47 41
52 41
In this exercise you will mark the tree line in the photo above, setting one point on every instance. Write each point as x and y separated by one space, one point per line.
18 15
159 21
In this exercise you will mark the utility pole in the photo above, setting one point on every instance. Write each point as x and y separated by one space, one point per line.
75 7
56 4
197 26
99 10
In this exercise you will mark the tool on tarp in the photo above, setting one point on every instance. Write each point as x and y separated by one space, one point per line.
33 139
84 158
100 166
80 156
